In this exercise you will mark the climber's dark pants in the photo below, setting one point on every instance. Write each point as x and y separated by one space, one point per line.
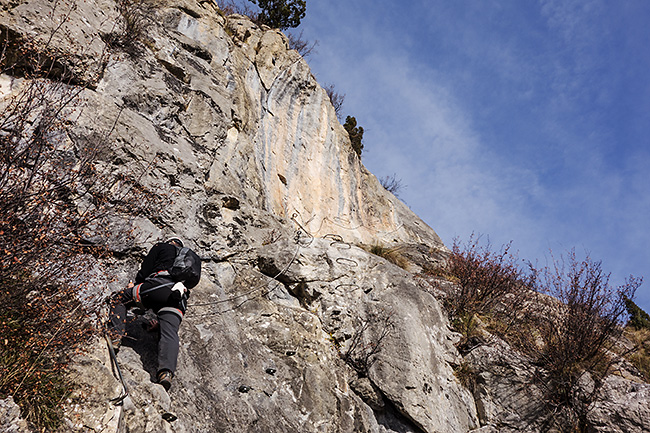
154 293
168 343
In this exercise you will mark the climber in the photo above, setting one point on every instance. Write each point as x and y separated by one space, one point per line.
163 285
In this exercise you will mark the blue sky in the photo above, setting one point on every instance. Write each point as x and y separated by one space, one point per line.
524 121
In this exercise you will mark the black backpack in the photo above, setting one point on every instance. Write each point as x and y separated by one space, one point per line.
186 267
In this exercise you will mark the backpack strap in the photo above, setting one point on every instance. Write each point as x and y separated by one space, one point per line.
163 273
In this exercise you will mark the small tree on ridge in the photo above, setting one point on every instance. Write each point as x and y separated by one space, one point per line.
356 134
281 14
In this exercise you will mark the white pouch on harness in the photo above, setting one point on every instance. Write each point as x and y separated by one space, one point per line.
180 288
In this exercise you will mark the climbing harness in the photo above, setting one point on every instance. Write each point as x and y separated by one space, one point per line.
115 367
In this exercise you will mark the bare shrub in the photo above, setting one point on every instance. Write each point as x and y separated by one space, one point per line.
135 20
392 184
336 99
45 173
489 294
566 318
40 333
298 43
229 7
41 316
485 279
366 342
580 334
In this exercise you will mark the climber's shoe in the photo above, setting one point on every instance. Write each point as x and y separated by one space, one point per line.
165 379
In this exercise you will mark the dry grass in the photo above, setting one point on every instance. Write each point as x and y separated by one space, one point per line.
640 357
393 255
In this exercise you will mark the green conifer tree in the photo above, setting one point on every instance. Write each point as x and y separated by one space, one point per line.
639 319
281 14
356 134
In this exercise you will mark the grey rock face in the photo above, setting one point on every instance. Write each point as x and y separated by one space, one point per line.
240 115
506 391
622 406
262 348
10 419
70 35
243 145
237 149
89 406
358 297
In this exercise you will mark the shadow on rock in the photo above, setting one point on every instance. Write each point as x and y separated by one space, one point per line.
143 342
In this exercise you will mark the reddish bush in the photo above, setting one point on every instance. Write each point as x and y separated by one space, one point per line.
45 173
585 325
485 279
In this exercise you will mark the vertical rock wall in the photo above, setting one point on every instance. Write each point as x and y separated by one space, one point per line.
236 148
226 127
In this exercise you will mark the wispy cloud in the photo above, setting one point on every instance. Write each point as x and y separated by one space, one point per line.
501 120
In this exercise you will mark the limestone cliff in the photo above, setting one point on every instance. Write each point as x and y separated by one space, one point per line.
228 129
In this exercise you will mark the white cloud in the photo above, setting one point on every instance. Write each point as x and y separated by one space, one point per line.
541 174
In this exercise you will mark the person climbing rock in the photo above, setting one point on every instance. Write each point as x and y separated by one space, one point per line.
162 284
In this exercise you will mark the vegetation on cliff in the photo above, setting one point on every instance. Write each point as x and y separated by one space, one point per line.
53 204
42 320
279 14
356 134
565 318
